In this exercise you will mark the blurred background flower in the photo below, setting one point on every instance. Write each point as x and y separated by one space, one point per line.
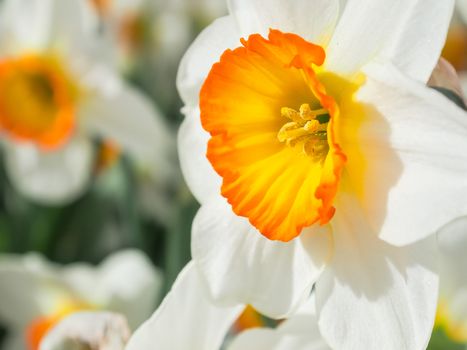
36 294
88 120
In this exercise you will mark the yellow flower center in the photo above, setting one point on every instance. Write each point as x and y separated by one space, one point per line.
274 129
308 129
37 100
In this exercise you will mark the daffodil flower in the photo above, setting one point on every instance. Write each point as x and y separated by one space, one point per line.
58 91
329 162
186 319
92 330
36 294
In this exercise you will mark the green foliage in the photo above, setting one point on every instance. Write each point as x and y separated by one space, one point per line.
440 341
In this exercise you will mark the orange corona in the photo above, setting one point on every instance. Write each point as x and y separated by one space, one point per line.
37 100
273 133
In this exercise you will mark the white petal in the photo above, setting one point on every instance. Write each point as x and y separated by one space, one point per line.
201 178
186 319
300 332
50 177
373 295
241 265
413 142
42 24
313 20
268 339
409 32
74 24
121 114
88 330
27 282
25 24
203 53
125 282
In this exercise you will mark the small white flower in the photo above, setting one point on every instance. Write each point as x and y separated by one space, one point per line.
59 91
88 330
187 319
36 294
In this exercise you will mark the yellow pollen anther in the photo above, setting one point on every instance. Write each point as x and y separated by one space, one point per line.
306 129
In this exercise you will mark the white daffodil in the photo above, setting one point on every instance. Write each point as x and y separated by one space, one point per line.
335 162
91 330
186 319
36 294
452 308
58 92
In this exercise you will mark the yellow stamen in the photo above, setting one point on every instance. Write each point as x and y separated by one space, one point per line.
305 129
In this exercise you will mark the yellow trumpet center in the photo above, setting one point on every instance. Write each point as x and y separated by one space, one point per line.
273 129
37 100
